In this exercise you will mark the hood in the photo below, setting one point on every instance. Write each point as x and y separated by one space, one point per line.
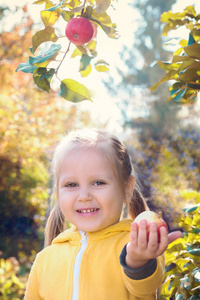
72 235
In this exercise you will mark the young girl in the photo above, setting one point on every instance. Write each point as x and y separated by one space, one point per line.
100 257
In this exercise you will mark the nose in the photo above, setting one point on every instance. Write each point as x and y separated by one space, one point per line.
84 194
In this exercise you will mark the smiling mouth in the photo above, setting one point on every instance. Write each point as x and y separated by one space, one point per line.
84 211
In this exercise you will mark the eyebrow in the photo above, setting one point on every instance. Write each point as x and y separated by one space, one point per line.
94 177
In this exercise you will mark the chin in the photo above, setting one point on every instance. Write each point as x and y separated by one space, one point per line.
91 229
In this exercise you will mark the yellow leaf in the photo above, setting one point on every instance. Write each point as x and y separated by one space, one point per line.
87 71
76 52
168 76
16 280
49 18
104 18
74 91
190 10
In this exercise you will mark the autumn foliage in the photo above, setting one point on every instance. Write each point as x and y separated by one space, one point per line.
184 68
48 47
32 121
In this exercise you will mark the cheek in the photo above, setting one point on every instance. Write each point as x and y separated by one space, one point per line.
63 201
62 205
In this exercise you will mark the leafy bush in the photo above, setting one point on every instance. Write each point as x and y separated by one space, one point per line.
184 67
165 165
12 282
183 257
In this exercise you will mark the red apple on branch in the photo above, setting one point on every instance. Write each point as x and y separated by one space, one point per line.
79 31
151 217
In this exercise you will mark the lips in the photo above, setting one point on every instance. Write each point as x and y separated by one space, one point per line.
88 210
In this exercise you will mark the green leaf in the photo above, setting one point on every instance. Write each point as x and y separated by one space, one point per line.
185 264
190 208
73 91
191 40
42 78
45 55
45 35
84 62
169 286
26 67
180 94
41 60
67 15
195 252
170 267
31 50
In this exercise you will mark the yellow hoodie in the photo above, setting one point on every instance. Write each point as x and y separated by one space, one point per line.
101 276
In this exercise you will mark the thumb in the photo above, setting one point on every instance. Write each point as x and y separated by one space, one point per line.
172 236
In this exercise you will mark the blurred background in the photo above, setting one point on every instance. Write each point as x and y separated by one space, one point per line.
163 137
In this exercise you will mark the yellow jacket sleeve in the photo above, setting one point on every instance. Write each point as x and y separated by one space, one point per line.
144 281
32 289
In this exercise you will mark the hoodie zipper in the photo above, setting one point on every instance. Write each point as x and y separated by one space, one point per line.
84 238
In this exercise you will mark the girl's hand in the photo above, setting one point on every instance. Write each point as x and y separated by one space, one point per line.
140 249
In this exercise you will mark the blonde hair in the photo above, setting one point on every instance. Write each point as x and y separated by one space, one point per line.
111 148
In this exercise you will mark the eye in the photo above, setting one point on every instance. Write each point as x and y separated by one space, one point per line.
71 185
99 182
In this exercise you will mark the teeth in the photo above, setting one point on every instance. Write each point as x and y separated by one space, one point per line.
87 210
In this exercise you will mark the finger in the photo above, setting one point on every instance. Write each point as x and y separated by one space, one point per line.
134 234
172 236
142 234
164 240
153 237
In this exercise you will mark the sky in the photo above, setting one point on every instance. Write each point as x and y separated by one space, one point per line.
104 107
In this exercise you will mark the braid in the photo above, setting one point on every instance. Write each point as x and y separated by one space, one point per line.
54 226
137 204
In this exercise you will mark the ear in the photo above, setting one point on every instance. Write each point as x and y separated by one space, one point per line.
129 187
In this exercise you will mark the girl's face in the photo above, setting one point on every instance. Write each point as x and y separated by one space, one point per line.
89 194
